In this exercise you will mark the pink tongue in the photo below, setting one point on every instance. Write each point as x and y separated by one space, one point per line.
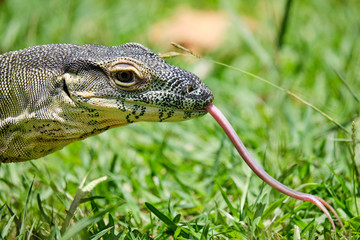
230 132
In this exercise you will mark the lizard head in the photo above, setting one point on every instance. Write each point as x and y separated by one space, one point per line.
131 83
59 93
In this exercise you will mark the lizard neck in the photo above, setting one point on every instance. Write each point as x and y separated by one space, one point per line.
39 133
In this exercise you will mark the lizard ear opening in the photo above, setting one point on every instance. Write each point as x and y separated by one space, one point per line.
65 88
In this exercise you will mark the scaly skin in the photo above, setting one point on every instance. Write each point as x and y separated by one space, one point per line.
52 95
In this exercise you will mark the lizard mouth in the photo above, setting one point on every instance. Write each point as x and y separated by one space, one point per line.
201 110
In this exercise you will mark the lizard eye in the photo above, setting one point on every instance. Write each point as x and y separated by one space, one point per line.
125 78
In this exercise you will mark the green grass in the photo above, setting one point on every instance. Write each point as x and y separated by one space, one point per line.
184 180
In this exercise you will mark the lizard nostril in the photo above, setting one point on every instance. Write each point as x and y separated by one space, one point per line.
189 88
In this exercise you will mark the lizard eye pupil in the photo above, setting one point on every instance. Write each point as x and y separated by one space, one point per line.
125 76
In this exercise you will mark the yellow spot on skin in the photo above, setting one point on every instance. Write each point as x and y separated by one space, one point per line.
86 94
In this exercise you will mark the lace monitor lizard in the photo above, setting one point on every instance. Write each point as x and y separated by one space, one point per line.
52 95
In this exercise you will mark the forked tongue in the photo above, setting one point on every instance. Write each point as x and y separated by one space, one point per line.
230 132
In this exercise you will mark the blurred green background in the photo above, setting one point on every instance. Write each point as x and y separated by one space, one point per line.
179 167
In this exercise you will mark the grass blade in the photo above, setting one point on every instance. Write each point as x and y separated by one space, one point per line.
228 203
204 232
84 223
349 88
100 234
7 227
284 24
161 216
